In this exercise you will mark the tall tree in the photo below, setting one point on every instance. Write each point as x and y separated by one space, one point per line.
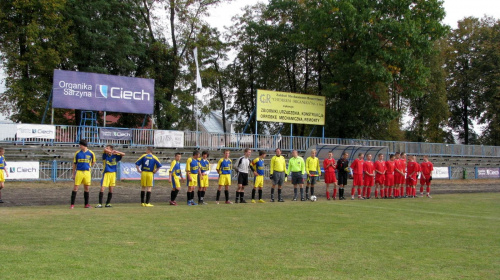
168 55
490 79
430 111
34 40
464 87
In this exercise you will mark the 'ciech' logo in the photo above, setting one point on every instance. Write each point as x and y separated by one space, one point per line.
119 93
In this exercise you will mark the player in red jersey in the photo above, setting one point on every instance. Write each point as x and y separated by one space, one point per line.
411 179
380 170
397 175
390 190
329 166
426 168
402 179
369 177
357 168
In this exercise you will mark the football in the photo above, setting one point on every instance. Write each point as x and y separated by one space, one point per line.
313 198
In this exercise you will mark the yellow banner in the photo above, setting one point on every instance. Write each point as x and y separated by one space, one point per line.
286 107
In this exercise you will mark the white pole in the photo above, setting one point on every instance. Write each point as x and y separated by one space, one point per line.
52 117
104 119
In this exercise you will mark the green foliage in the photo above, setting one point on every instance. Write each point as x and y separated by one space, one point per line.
34 40
364 56
430 111
473 81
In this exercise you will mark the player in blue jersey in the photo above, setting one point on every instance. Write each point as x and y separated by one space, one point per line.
175 178
203 179
148 164
258 169
82 163
110 158
3 164
192 174
224 167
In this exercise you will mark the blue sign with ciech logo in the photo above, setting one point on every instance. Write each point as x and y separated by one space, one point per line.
100 92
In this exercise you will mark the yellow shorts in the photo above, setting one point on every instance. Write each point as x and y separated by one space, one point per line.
204 180
225 179
147 179
259 181
175 182
82 177
109 179
193 180
2 175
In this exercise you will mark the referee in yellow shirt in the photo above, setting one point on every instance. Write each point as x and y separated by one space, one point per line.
297 168
278 173
313 170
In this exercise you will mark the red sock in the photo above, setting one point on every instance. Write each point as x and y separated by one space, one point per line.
388 192
368 191
415 191
408 191
421 189
334 193
396 192
327 195
376 193
428 189
353 190
364 191
401 191
359 191
382 193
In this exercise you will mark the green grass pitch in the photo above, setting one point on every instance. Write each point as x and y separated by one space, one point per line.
453 236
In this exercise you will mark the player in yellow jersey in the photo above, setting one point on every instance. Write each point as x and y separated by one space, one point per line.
257 167
110 158
313 171
203 179
82 163
148 164
224 169
192 174
175 175
3 164
278 174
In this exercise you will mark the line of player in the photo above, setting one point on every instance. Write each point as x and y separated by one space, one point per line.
388 177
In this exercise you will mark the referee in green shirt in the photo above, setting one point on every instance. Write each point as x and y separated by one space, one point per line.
297 168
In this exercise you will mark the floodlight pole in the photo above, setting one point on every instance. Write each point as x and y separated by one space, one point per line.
291 136
323 135
52 117
104 119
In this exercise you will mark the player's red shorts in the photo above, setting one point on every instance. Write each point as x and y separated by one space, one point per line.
389 180
368 181
380 179
411 181
402 179
330 177
425 181
358 180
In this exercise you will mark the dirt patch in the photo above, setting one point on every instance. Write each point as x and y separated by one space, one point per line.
49 193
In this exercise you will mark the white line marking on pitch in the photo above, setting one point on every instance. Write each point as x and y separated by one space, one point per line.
422 211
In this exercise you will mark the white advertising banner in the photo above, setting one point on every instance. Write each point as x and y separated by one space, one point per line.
169 139
441 173
36 131
23 170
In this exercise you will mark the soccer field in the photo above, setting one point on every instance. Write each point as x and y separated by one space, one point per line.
448 237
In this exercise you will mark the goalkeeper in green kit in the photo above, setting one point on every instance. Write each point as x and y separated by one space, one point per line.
342 173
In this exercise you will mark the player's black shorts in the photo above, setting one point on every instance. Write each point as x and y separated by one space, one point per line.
342 178
297 178
243 179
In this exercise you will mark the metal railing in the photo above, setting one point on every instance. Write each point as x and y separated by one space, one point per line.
66 134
